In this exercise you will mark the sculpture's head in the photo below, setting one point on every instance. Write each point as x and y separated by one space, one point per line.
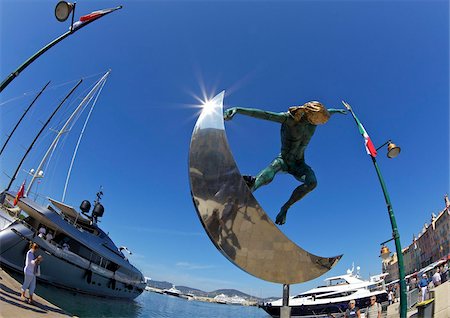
314 112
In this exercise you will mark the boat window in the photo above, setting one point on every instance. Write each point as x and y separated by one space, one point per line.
312 294
335 282
343 294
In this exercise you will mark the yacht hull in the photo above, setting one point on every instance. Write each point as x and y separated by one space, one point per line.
319 310
59 271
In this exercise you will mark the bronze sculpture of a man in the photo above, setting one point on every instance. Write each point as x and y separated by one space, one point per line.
298 125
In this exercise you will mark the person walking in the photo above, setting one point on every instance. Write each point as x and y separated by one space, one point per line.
352 310
30 270
423 285
390 296
374 309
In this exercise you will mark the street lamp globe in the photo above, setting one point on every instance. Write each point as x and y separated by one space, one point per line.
385 253
63 10
393 150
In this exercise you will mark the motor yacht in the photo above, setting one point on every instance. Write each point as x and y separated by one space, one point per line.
333 297
79 256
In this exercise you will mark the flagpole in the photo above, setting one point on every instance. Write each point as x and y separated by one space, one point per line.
395 233
72 30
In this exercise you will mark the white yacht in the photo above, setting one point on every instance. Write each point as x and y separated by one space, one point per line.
334 297
173 291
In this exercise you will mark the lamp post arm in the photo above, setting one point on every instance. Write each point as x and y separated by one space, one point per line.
383 145
396 237
72 30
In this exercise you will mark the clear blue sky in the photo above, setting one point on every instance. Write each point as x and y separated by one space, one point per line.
389 60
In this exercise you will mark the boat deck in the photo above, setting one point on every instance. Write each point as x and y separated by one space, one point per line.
12 306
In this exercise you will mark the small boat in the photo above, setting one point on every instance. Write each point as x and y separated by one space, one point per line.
172 291
334 297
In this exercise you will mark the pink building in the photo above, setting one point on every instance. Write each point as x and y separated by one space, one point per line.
430 245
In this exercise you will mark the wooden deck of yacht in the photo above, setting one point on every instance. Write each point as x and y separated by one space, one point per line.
12 306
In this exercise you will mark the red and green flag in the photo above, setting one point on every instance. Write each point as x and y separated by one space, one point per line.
19 194
370 148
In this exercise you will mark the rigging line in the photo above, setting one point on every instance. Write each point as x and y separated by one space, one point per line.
83 102
79 140
62 141
74 101
56 85
23 115
37 136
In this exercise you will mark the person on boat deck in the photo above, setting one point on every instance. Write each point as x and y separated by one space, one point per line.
49 236
374 309
352 310
30 270
65 246
298 125
42 231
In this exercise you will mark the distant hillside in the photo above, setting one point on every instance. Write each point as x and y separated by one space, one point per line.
201 293
158 284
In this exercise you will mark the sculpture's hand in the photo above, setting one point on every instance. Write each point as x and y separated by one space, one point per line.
229 113
337 111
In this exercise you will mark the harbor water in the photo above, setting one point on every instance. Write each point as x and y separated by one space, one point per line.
148 304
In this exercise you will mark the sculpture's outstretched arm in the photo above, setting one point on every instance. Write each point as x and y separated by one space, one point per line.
256 113
337 111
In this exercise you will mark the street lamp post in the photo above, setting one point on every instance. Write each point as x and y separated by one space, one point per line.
62 12
393 152
395 236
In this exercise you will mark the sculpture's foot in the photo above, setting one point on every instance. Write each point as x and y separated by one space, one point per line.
281 217
249 180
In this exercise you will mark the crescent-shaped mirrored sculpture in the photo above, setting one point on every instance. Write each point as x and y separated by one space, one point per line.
230 214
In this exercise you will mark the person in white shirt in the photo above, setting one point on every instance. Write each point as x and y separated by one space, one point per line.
436 278
42 231
32 262
65 247
49 236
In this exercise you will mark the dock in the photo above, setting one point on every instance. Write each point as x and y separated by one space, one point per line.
11 306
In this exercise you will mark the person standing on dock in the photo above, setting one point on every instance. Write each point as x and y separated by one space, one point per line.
31 268
352 311
423 285
374 309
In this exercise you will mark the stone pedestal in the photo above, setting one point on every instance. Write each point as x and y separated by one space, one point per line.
285 312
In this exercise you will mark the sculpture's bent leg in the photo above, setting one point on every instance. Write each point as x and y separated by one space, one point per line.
305 174
266 176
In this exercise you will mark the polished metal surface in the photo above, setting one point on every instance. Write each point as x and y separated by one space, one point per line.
231 216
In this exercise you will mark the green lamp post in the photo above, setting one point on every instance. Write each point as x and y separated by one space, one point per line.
62 11
392 152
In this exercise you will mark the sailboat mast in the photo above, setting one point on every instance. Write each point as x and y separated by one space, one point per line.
78 142
23 115
39 133
63 129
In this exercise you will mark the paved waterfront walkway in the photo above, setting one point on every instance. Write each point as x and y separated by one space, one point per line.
11 306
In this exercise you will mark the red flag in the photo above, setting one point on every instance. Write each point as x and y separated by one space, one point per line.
94 15
19 193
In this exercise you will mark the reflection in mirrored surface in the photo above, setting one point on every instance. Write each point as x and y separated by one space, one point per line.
232 217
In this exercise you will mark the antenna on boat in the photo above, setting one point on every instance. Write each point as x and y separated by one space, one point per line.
98 210
85 100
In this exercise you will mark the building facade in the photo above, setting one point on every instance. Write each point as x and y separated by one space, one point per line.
430 245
